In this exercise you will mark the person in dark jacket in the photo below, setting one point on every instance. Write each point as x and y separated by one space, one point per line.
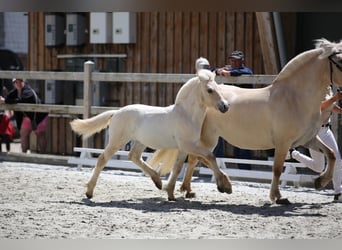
27 121
236 67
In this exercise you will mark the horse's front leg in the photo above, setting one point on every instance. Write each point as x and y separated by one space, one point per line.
279 159
170 186
135 156
208 158
186 185
101 162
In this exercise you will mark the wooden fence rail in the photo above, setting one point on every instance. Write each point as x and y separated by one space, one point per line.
88 76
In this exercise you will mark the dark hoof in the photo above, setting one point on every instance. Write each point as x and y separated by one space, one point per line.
284 201
221 190
89 196
159 185
190 195
171 199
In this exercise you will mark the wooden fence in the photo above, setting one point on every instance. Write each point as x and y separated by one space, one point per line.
88 77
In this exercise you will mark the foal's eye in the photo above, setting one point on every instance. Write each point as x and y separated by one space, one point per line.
210 91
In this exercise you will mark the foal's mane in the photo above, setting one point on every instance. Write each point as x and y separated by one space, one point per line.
323 49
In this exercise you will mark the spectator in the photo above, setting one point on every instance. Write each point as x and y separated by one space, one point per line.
236 67
27 121
6 129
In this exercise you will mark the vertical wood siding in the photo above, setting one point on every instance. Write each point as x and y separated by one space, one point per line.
167 42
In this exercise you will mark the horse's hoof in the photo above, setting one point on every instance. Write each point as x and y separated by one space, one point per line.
190 195
283 201
89 196
224 190
159 185
318 183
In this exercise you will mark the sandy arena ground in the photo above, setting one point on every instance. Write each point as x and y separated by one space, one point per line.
48 202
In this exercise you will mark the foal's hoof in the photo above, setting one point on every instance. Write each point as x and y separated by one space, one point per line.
171 199
89 196
283 201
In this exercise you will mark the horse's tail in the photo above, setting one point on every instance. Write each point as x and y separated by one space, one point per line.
163 160
87 127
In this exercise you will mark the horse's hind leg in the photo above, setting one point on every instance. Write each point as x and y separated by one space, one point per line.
101 162
186 185
135 156
170 186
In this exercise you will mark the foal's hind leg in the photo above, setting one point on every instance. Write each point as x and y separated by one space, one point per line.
101 162
135 156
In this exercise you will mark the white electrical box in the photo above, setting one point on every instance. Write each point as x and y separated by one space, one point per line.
75 29
101 27
124 27
53 92
54 30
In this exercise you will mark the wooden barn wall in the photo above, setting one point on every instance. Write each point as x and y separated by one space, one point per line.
167 42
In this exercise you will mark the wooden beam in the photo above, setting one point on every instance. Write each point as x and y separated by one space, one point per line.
268 44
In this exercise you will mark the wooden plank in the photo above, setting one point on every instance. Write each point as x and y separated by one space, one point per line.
203 36
268 44
162 57
195 40
212 34
154 57
169 99
145 55
221 41
55 136
61 135
230 36
70 137
240 32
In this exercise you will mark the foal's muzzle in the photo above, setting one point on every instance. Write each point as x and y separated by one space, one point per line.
223 106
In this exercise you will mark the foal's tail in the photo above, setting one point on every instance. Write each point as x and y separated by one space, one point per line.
163 160
87 127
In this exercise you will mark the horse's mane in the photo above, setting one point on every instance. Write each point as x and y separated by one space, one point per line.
193 84
323 49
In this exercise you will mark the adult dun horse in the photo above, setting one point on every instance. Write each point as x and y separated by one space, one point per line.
282 115
175 126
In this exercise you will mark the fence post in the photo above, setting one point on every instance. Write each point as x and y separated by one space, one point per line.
87 94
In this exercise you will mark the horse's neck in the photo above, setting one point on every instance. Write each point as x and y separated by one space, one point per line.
308 75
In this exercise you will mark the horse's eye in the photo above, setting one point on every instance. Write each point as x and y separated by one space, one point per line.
210 91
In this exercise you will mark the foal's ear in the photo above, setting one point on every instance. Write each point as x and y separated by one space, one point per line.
205 75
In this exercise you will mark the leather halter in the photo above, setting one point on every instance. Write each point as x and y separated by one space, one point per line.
331 61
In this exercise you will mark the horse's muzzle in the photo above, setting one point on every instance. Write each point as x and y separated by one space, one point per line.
223 106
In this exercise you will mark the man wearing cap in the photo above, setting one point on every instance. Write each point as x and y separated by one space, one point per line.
237 66
27 121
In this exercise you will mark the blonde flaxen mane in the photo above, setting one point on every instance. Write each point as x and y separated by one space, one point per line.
323 49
